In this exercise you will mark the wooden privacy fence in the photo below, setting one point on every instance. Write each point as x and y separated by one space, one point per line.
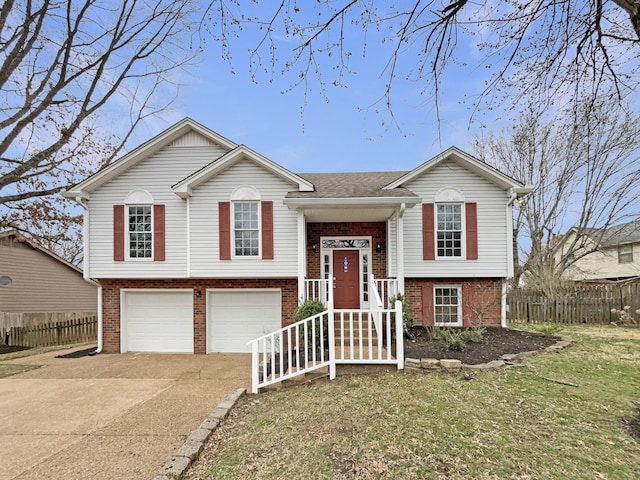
78 330
580 304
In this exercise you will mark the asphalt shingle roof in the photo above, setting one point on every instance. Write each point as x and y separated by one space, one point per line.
617 234
352 185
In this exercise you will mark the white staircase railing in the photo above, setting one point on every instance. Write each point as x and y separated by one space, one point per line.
293 350
326 339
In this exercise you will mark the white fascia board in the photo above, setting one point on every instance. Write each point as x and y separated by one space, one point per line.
294 203
454 153
143 151
184 187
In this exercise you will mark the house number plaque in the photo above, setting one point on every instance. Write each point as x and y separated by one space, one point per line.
346 265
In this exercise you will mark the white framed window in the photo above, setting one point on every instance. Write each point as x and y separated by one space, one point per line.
449 230
448 306
246 229
625 253
139 232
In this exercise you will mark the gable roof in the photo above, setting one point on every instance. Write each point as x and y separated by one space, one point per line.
184 187
148 148
615 235
478 166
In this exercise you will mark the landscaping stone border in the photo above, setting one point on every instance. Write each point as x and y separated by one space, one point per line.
193 445
448 365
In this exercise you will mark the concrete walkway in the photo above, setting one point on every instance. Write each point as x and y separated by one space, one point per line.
108 416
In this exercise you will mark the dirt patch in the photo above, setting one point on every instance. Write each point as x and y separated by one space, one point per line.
12 348
496 342
632 425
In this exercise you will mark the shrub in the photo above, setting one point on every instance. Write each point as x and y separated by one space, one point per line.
452 338
475 334
407 312
624 317
308 309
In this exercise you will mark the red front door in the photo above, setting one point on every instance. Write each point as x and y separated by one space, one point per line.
346 278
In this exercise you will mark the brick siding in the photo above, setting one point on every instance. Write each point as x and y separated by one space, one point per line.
481 299
111 303
376 230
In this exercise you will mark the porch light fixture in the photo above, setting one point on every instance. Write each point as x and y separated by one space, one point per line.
198 293
378 247
314 247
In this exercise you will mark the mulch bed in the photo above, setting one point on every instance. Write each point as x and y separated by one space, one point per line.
496 342
12 348
78 353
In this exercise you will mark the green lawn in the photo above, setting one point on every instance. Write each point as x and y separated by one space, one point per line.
512 424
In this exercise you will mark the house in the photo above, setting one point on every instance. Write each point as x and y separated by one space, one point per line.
200 244
35 283
601 254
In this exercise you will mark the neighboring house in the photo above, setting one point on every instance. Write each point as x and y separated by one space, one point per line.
609 254
200 244
34 280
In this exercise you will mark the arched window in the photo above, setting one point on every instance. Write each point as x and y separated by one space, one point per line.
139 228
246 225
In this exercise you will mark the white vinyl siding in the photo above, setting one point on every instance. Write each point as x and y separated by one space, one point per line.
493 248
156 175
204 221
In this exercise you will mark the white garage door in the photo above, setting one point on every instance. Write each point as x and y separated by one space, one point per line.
236 316
158 321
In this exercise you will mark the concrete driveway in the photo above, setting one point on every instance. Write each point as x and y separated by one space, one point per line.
108 416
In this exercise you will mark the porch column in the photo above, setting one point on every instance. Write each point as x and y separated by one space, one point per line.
400 247
302 254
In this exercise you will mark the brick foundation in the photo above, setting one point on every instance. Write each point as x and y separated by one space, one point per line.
481 299
111 303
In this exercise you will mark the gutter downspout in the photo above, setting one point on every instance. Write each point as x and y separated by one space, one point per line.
503 297
86 274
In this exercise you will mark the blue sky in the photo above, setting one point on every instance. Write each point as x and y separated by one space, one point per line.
338 135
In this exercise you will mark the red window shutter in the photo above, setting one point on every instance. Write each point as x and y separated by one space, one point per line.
428 232
267 230
427 305
224 228
118 233
471 219
158 233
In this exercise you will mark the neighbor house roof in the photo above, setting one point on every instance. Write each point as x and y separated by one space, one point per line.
616 235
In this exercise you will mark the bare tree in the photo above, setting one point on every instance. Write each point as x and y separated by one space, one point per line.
585 175
558 51
76 79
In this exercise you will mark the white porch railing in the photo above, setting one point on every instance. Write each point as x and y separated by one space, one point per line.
352 337
317 289
386 288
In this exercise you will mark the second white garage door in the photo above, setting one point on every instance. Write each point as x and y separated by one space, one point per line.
236 316
157 321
